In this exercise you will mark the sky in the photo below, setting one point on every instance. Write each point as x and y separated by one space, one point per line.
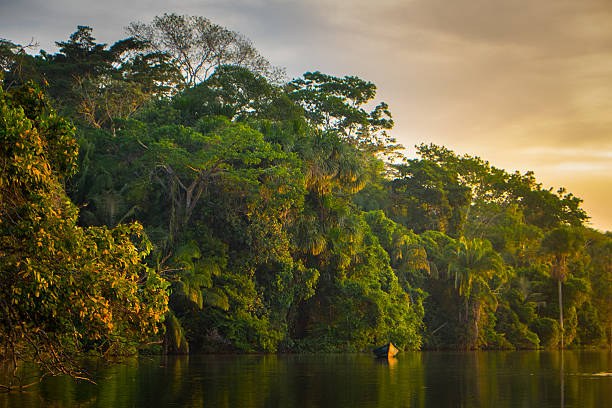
526 85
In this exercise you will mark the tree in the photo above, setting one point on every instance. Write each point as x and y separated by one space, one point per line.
189 165
332 103
213 194
428 196
473 265
599 247
16 65
63 289
198 46
561 243
80 57
232 91
541 207
407 256
359 299
105 83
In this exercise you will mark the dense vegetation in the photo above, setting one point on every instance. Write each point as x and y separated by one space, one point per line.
277 216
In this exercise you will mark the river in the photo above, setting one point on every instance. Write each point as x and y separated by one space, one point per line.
413 379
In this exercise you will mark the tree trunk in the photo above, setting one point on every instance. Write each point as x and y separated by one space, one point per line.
476 332
560 309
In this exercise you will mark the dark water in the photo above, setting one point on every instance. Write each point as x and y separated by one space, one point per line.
428 379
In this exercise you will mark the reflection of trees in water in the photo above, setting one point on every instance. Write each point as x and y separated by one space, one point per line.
429 379
562 380
321 381
519 378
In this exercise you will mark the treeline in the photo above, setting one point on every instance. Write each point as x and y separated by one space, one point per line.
281 214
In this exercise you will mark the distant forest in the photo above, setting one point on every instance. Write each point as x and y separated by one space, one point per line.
174 192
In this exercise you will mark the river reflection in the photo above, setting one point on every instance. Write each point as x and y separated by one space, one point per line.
428 379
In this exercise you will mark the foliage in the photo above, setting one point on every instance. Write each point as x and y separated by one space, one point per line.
283 217
198 46
333 103
427 196
63 288
16 65
561 243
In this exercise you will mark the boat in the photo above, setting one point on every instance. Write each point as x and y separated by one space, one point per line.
386 351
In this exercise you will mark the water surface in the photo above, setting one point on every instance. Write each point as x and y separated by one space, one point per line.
418 379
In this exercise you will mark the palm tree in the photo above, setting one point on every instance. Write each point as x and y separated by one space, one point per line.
193 280
473 264
333 171
332 164
560 244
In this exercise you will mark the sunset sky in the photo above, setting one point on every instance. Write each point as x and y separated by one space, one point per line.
524 84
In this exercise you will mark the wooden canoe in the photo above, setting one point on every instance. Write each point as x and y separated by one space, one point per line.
386 351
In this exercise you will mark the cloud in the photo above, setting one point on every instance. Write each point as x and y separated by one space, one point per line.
583 167
568 152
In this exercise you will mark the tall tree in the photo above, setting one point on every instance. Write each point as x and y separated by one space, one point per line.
338 104
561 243
472 266
98 84
428 196
198 46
